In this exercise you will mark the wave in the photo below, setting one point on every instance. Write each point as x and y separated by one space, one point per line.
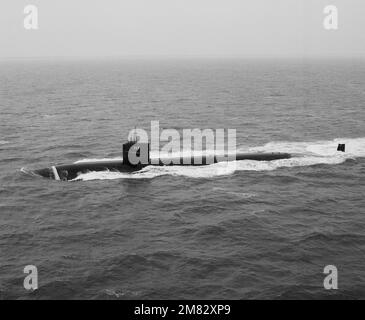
49 116
305 154
242 195
3 142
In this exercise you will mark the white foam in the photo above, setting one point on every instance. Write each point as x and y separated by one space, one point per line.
4 142
217 169
354 147
306 154
99 160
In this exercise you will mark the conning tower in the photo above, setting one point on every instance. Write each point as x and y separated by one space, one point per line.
136 153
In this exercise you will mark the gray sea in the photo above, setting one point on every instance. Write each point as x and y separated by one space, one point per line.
256 230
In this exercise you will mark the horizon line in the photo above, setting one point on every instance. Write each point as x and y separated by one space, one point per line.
189 56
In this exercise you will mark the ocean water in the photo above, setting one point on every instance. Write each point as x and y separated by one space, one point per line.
246 230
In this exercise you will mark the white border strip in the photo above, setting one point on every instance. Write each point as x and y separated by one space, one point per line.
55 173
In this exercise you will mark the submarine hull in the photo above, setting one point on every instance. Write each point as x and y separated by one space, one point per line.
72 171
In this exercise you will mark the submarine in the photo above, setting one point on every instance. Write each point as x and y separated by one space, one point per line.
136 156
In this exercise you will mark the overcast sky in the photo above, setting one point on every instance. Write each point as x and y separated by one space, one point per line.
96 28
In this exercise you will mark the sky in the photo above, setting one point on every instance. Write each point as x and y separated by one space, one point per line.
239 28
